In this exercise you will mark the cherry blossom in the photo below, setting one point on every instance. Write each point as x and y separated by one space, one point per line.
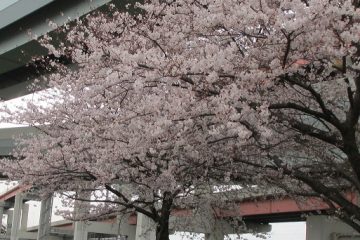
166 97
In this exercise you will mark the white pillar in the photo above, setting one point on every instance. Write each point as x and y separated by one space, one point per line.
125 228
24 217
80 232
10 214
324 228
81 209
45 218
2 203
213 228
16 216
145 228
122 220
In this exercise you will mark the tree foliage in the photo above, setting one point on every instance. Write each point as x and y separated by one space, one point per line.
180 94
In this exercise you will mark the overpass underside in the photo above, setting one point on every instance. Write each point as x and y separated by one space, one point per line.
256 214
131 227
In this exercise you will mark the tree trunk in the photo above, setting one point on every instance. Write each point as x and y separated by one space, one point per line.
162 229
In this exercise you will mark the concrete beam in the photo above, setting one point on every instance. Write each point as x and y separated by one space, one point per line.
102 227
20 9
7 144
26 235
59 12
206 225
17 48
60 231
116 228
10 194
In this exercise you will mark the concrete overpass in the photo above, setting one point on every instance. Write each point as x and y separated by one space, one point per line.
256 210
257 213
134 226
17 47
7 138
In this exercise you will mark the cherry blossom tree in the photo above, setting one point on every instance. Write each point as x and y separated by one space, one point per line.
170 96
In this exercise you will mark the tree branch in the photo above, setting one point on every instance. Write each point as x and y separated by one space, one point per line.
327 114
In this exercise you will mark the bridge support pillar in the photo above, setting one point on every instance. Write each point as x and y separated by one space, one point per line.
1 213
9 214
125 228
80 231
327 228
122 220
24 217
81 209
16 219
45 219
145 228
